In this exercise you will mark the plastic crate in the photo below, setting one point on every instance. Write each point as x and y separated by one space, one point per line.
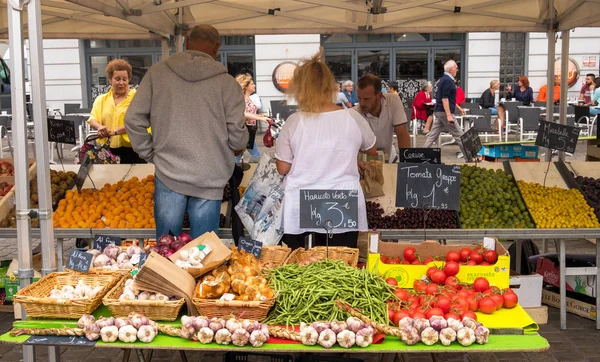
326 358
501 151
256 357
529 152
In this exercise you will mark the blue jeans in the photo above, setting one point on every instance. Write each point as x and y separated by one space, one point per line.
170 207
254 152
594 111
494 111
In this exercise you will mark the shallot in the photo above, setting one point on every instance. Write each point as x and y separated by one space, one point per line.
447 336
429 336
109 334
327 338
465 336
240 337
223 336
346 338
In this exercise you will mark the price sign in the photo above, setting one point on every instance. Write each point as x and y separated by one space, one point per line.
59 341
79 260
557 136
339 206
82 174
250 246
143 258
102 241
61 131
421 155
428 186
471 143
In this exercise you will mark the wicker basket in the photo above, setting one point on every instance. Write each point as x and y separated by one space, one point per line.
155 310
349 255
212 308
36 301
273 256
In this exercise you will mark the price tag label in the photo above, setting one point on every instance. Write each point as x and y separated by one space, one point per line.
421 155
339 206
250 246
471 143
79 260
423 186
61 131
102 241
558 137
84 170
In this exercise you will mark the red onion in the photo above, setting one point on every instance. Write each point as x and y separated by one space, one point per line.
186 238
177 244
169 253
165 239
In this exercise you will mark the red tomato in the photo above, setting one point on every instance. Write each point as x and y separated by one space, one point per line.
473 304
416 262
398 317
438 276
402 294
453 256
476 257
430 271
490 256
426 300
434 311
392 281
464 254
481 284
452 282
414 301
468 314
498 299
409 254
419 314
405 262
453 316
485 263
471 263
461 304
495 289
431 289
391 314
510 300
487 305
464 293
444 304
384 259
419 286
427 260
451 268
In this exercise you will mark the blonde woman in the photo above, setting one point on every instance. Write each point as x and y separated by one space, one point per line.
248 87
317 149
488 101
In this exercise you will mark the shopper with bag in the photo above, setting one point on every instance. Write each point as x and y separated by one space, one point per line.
248 87
317 149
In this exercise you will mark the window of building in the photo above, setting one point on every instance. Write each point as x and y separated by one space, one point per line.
375 62
512 57
340 63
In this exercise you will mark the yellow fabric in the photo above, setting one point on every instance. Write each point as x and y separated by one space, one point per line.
112 116
516 317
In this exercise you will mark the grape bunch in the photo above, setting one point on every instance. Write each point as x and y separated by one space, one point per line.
410 218
591 189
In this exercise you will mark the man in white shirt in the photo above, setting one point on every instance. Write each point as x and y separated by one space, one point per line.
384 113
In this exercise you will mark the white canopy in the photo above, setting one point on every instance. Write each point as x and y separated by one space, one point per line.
94 19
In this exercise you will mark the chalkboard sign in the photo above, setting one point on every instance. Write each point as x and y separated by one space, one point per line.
428 186
421 155
61 131
143 258
471 143
557 136
82 174
102 241
79 260
339 206
59 341
250 246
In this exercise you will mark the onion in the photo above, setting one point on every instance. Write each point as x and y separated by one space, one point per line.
165 240
177 244
169 253
186 238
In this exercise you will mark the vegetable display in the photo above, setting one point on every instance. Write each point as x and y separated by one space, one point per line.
168 244
308 293
127 330
114 258
79 291
409 218
129 293
465 256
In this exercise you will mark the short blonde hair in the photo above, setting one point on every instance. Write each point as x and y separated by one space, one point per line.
494 83
116 66
244 80
313 84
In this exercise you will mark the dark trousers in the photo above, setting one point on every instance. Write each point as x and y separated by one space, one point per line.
127 155
349 239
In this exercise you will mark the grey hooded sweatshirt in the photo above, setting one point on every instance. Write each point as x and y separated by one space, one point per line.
196 111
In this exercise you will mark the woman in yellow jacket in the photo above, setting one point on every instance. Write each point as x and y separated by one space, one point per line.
109 111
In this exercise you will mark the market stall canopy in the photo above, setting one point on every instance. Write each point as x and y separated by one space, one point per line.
94 19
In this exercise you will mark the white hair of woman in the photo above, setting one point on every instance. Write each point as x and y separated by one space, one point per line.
426 85
449 65
348 82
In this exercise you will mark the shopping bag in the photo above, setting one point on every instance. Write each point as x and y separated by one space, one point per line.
260 208
96 154
371 179
268 138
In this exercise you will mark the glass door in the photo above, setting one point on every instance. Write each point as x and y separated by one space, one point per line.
411 71
340 63
441 56
375 62
240 63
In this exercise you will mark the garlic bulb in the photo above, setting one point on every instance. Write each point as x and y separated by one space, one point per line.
250 325
337 327
420 324
112 251
123 257
465 336
127 334
309 335
205 335
187 332
85 320
447 336
364 337
454 324
92 332
233 324
223 336
109 334
438 322
216 324
94 252
143 296
200 322
101 261
146 334
469 323
105 322
258 338
354 324
482 334
127 295
409 335
346 338
429 336
121 322
321 326
327 338
405 322
134 249
240 337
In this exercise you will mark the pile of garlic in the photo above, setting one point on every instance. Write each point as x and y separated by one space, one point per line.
114 258
126 330
80 291
347 334
192 258
130 293
240 332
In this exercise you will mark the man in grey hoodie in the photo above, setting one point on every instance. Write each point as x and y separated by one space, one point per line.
196 114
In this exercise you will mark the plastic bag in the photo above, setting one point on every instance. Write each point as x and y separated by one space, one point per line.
260 209
268 138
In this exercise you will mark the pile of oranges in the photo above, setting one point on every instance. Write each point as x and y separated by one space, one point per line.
126 204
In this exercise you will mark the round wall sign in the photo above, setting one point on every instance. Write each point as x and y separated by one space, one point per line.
283 74
573 76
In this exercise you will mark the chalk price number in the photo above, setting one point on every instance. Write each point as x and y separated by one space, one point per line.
422 186
339 206
557 136
80 261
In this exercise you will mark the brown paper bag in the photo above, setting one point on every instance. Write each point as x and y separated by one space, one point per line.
372 179
218 255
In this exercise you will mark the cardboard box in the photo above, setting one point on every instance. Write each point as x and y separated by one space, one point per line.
585 284
528 288
580 308
593 150
498 274
538 314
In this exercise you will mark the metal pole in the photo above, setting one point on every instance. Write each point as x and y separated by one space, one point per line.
165 48
179 31
550 73
19 128
564 80
563 284
597 282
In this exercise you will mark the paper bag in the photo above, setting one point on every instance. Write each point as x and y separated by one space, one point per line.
371 179
218 255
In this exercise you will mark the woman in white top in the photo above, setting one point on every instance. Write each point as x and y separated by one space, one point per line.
317 149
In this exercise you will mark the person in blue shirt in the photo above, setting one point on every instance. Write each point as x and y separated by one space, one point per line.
522 91
595 97
445 107
349 92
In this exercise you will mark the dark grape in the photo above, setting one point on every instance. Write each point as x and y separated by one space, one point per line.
591 190
410 218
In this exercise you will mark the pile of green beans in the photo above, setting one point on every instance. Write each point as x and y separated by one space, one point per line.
308 293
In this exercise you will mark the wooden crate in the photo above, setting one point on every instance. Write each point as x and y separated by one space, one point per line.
538 314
